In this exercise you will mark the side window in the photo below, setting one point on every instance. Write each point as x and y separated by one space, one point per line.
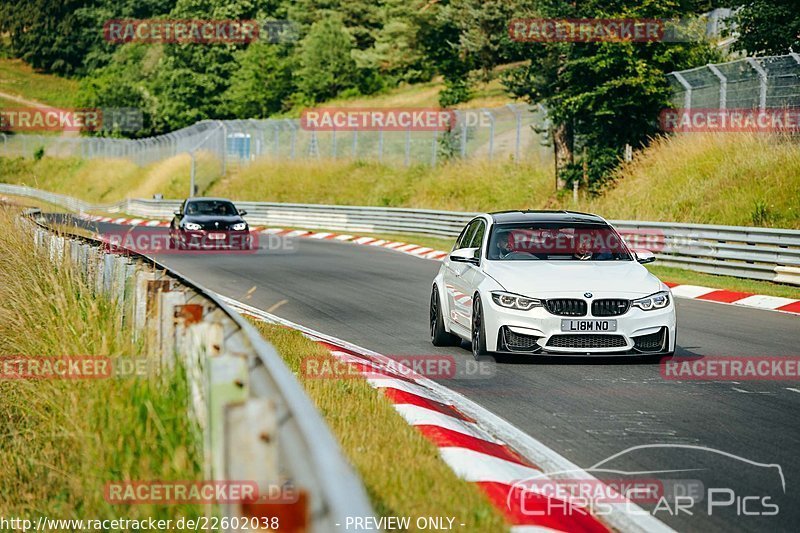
477 237
466 236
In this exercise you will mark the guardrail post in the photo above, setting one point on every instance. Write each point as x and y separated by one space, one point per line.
168 302
228 384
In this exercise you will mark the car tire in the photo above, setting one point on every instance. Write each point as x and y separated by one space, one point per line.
478 330
439 335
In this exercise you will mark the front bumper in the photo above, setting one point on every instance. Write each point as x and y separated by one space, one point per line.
220 239
538 331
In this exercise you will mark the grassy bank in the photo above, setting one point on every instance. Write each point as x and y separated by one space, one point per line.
61 441
736 179
401 470
109 180
19 79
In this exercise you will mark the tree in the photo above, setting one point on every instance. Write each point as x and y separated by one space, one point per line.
767 26
326 67
262 82
603 95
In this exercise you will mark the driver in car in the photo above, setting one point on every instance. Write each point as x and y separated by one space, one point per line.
583 251
503 243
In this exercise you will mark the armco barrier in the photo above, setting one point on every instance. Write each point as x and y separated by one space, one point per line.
745 252
257 423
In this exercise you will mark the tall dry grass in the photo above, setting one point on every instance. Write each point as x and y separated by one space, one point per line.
61 441
402 471
742 179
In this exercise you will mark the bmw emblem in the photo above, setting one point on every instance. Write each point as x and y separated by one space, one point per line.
587 294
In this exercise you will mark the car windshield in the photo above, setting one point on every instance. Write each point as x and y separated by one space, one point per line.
566 241
211 207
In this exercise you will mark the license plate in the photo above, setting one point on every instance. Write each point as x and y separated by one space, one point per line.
588 325
216 236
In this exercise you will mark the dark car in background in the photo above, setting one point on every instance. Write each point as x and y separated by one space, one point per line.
209 223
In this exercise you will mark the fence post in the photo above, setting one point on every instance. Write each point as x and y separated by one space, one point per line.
192 174
355 144
224 148
333 141
491 132
434 143
408 147
723 86
277 141
518 117
293 127
687 97
380 145
762 75
463 118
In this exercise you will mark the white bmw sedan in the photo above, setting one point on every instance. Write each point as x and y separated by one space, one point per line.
550 282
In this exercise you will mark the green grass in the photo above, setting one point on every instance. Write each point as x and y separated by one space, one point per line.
109 180
734 179
738 179
19 79
484 94
62 441
458 186
401 470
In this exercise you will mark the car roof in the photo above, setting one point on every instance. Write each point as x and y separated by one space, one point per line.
511 217
209 199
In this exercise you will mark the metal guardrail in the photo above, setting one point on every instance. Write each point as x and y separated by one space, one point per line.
745 252
257 423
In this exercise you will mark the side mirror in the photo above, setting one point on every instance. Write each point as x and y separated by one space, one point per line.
644 256
242 212
176 213
465 255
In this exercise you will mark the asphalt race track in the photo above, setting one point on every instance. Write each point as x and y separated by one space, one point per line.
585 409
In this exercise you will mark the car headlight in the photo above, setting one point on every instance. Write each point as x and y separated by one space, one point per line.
515 301
191 226
658 300
239 226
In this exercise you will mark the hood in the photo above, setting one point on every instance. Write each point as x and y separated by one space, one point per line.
570 278
202 219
